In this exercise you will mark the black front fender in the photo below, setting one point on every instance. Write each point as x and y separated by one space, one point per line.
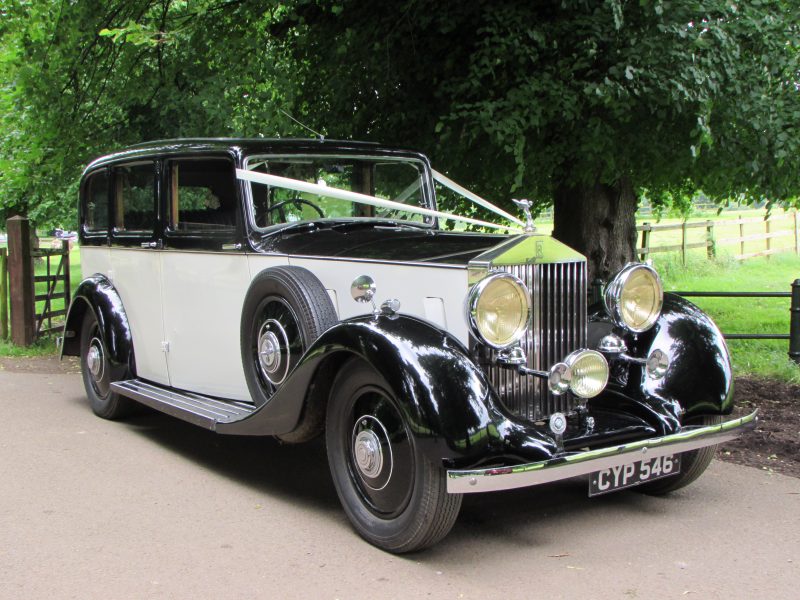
96 295
449 405
699 380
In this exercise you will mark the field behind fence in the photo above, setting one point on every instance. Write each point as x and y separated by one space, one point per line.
740 234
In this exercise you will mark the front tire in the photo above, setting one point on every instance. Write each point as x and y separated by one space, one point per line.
98 373
693 464
395 497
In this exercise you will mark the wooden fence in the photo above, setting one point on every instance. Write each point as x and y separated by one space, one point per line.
3 294
770 231
32 313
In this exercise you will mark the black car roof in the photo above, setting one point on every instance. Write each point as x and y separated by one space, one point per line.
245 146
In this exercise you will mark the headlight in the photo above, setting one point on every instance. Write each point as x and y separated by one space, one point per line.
499 310
584 373
634 297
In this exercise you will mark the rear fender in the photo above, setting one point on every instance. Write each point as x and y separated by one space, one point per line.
96 295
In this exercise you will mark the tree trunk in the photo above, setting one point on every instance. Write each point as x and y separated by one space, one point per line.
599 221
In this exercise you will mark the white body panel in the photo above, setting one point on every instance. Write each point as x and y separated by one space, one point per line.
136 275
203 296
409 283
192 302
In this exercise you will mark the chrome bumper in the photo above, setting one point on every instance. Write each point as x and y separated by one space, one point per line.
581 463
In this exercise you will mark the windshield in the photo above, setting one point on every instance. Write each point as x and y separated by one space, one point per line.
388 179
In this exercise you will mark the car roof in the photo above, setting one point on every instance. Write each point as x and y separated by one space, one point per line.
248 146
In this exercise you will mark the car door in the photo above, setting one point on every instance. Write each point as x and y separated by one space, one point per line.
205 275
135 264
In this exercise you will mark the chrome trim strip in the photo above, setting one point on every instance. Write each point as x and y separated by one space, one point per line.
420 264
582 463
406 263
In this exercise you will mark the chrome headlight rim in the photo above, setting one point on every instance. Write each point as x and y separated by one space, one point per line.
472 309
613 296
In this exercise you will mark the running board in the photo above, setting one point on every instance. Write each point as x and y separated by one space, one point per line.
196 409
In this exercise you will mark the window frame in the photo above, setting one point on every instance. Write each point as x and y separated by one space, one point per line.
91 236
134 236
194 238
426 188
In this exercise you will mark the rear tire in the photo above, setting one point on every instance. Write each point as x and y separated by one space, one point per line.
693 464
395 497
98 373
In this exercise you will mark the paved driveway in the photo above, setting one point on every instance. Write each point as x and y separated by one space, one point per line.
154 508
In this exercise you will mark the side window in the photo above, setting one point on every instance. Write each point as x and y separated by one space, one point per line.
95 196
202 195
134 197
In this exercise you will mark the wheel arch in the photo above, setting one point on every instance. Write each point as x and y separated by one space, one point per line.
699 379
450 406
96 295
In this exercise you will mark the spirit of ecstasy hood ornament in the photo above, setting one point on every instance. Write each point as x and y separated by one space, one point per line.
525 205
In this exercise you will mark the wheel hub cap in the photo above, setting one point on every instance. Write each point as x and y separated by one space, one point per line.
368 453
95 359
269 352
273 351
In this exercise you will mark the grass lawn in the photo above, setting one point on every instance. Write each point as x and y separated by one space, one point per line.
742 315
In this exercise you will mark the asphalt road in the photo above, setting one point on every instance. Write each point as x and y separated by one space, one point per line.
154 508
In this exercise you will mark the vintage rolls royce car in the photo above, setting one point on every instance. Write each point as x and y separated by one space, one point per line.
294 288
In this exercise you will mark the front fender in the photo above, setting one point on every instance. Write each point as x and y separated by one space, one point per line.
96 295
699 380
449 405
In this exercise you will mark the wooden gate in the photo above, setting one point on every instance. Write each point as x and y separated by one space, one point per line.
56 299
38 284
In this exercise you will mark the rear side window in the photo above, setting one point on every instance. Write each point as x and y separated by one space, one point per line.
134 197
96 202
202 195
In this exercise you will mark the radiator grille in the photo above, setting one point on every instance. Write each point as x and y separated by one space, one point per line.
558 295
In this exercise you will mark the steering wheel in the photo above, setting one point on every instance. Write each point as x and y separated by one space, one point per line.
298 203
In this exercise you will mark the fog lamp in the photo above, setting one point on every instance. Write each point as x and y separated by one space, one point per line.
584 373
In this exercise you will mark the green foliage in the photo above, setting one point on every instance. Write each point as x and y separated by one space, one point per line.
516 97
78 79
511 98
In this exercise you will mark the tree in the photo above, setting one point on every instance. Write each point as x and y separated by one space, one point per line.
78 79
571 102
577 103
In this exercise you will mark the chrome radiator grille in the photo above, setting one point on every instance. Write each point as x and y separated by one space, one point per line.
558 294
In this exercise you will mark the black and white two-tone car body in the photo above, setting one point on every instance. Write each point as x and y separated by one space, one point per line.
295 287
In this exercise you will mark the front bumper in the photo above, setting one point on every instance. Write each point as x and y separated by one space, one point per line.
574 464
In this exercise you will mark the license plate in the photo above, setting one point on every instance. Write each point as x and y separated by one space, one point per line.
625 476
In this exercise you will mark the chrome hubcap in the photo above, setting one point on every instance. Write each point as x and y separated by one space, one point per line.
269 352
95 360
273 349
372 452
369 456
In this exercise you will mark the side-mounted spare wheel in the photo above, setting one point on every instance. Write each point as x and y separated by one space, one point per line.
395 497
99 372
286 308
